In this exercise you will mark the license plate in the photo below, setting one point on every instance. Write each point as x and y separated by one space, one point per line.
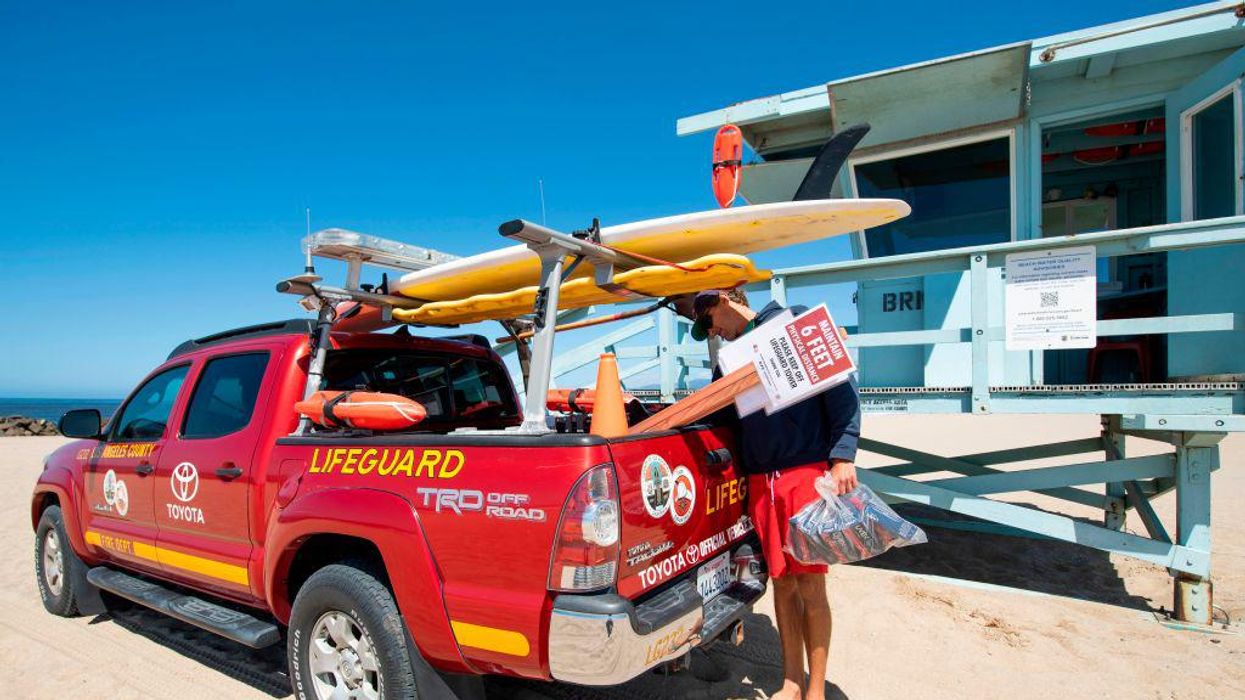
714 577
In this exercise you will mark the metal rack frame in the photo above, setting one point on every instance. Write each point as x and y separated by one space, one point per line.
554 248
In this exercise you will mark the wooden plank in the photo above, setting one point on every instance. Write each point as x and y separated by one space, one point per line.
701 403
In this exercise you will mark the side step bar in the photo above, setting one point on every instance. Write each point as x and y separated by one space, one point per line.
230 624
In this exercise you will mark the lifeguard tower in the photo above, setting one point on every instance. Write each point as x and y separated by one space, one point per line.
1125 137
1124 126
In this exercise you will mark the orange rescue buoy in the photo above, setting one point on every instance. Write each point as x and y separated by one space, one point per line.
364 410
353 317
728 149
577 400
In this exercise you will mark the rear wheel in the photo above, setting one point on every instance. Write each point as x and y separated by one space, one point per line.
52 562
343 640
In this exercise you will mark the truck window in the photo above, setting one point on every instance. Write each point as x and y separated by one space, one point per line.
477 390
147 412
224 397
450 388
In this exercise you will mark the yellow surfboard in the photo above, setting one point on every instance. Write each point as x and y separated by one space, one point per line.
717 271
739 230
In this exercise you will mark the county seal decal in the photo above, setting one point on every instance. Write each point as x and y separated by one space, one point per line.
116 494
683 498
655 484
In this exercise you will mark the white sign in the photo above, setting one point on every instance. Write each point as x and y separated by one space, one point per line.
795 358
1051 299
738 354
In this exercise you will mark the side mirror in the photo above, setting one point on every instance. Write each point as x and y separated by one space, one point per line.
81 423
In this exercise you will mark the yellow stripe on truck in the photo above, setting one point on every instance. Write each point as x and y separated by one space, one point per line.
199 565
172 558
490 639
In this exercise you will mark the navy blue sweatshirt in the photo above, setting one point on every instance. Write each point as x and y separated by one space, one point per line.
819 429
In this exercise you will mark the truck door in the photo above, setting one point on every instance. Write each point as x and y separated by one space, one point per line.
119 480
205 476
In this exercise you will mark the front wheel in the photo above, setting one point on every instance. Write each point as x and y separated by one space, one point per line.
52 562
343 640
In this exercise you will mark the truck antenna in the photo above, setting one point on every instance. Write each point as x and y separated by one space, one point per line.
309 268
541 183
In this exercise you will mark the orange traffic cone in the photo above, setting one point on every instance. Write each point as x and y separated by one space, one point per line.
609 418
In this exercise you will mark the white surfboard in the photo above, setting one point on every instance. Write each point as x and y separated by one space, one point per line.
679 238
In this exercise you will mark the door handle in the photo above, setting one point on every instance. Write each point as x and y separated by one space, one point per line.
720 458
144 469
229 471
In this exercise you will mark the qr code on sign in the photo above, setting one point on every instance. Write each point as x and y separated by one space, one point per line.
1050 299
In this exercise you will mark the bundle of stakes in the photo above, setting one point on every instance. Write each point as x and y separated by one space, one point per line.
703 402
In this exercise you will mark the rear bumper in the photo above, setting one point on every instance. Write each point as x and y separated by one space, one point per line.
605 639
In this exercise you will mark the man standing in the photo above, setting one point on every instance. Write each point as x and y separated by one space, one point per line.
783 454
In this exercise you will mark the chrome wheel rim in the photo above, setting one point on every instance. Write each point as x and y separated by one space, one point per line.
53 563
343 661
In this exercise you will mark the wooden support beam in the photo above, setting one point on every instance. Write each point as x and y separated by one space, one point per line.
923 462
1046 478
1138 501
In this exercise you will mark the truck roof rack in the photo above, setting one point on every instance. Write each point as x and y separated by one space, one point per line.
301 326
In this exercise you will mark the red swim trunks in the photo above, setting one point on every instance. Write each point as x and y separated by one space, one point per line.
772 500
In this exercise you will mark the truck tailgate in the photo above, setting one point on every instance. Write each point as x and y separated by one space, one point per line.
679 511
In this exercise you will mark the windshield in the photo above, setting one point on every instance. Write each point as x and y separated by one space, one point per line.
459 390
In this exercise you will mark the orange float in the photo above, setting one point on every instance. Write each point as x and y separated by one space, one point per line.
728 149
577 400
353 317
364 410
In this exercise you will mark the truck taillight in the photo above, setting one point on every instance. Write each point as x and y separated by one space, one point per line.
586 551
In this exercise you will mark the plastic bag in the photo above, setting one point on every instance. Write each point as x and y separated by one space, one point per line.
841 529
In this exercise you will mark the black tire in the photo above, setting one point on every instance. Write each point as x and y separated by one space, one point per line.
57 589
351 590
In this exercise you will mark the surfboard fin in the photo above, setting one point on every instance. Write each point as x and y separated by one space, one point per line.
829 161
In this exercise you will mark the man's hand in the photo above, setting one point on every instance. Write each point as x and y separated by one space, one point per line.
843 474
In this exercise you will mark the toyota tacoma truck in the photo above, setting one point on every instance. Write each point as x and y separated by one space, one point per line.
388 562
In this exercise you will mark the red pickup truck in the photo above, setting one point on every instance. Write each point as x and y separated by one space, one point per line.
390 561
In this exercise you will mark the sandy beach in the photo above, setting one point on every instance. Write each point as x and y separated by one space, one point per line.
966 616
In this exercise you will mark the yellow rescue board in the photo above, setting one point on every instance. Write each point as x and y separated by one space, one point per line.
708 272
739 230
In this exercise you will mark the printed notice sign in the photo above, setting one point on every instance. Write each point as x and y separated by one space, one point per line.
738 354
795 358
1051 299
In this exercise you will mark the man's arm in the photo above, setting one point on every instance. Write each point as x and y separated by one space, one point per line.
842 407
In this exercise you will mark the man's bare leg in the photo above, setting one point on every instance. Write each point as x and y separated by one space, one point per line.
790 619
816 627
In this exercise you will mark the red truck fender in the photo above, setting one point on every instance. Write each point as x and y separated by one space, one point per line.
55 486
390 523
58 482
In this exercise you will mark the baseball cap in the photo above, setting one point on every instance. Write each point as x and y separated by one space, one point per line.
701 304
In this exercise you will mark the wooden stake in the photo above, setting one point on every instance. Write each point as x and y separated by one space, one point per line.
701 403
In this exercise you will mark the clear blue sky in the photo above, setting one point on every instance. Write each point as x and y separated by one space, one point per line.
156 158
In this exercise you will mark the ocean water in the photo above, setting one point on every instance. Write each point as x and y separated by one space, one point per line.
53 409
